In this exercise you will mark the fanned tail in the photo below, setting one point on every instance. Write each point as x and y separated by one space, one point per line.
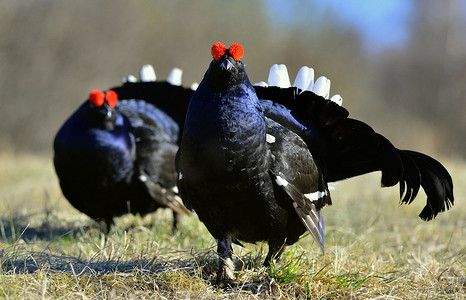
346 148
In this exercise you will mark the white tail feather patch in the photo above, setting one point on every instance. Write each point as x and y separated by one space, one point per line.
130 78
322 87
262 83
194 86
305 78
337 99
278 76
175 76
147 73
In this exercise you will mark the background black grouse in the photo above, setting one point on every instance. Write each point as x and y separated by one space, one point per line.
114 158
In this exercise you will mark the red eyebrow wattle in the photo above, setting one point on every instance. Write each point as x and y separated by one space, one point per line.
97 97
218 50
236 51
111 97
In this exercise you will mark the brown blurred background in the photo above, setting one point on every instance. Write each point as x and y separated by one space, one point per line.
52 53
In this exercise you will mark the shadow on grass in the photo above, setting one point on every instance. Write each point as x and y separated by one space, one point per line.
51 227
17 260
19 227
201 264
19 237
175 273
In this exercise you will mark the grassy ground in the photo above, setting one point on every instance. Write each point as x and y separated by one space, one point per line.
375 248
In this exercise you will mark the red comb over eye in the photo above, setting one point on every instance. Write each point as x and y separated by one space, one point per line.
236 51
111 97
218 50
97 97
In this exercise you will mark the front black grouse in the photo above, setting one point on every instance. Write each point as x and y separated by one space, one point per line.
254 162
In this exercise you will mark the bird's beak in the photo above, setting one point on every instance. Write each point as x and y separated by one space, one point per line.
227 65
107 110
108 113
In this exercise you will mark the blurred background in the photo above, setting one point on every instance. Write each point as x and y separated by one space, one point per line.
400 65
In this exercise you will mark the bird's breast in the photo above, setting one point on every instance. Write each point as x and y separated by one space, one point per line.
223 142
95 156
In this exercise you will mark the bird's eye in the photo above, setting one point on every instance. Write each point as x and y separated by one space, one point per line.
236 51
111 97
97 97
218 50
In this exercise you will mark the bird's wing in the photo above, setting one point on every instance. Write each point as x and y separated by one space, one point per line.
171 99
142 113
347 147
297 173
155 151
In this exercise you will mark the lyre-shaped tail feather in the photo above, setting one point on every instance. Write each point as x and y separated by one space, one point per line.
423 170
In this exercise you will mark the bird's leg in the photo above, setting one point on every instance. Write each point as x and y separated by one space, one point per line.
176 220
226 266
108 224
275 251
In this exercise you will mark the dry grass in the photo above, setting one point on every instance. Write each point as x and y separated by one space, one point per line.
375 248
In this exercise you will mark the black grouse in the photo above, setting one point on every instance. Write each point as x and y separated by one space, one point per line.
116 157
255 162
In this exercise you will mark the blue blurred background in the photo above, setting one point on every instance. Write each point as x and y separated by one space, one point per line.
399 65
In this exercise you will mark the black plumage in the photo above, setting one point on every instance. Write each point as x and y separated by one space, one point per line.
254 163
347 147
116 159
173 100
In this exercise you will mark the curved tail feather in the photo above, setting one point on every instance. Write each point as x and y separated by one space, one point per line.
411 180
434 179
